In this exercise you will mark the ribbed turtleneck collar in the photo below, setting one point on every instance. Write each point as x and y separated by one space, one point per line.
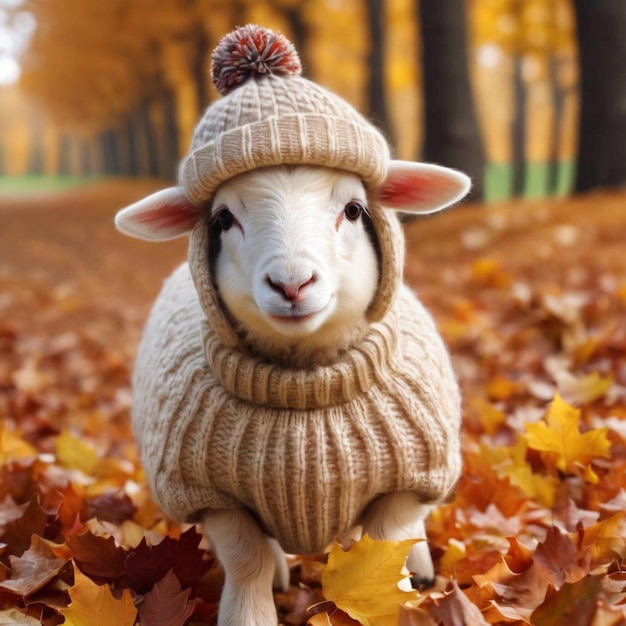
265 384
353 373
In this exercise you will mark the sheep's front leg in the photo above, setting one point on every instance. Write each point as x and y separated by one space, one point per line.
401 516
249 561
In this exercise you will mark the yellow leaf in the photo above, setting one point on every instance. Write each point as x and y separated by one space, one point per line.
73 453
510 462
559 435
95 605
585 389
606 539
12 446
363 581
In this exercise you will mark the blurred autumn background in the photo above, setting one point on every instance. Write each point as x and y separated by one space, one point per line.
527 281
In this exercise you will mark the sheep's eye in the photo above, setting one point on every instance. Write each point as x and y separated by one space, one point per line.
225 219
353 210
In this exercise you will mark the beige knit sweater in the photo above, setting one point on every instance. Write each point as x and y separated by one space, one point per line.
304 450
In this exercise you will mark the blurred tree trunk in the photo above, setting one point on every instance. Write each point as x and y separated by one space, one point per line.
300 34
602 134
377 90
451 133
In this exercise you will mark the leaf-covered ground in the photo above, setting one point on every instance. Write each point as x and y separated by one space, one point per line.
532 301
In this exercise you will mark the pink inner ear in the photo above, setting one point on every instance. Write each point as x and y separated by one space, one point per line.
402 189
168 216
405 189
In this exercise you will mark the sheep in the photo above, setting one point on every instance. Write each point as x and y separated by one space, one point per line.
288 386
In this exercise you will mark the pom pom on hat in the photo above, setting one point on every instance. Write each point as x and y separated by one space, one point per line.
250 51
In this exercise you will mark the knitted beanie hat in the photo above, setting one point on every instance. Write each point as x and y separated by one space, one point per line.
269 115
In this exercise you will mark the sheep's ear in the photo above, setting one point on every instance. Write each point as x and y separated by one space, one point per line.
163 215
422 187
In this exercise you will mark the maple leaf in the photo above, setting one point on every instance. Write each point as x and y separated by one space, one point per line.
18 532
95 605
559 435
98 557
558 556
606 539
455 609
572 605
33 570
147 564
166 604
363 581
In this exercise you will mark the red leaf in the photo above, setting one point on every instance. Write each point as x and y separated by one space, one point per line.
147 564
166 604
97 557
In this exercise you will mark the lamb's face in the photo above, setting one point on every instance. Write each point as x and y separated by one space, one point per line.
295 258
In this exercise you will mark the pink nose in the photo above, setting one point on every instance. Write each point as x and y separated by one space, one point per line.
290 290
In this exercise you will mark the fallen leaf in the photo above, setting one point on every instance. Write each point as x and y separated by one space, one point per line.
584 389
17 533
73 453
166 604
455 609
560 436
363 581
147 564
572 605
33 570
606 539
96 556
95 605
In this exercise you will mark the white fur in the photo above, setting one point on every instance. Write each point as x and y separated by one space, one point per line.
290 227
291 234
291 230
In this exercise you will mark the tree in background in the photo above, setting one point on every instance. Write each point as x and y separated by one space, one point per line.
376 62
601 28
451 133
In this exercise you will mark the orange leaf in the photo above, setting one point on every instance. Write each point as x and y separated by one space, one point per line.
95 605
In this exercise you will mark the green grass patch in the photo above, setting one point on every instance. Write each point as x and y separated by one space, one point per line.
26 184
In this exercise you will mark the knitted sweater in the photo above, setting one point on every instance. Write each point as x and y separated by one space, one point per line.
305 450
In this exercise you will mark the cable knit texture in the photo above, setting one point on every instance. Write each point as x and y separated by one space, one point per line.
305 450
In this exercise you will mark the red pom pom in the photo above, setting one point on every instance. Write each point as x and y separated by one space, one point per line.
252 51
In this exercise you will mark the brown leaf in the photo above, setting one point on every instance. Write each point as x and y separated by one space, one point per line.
17 533
559 557
572 605
166 604
456 610
33 570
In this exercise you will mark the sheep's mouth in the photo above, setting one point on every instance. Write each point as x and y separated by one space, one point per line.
295 317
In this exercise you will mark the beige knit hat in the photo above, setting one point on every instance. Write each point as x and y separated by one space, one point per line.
270 115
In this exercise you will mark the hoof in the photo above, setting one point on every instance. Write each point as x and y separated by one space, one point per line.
419 582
